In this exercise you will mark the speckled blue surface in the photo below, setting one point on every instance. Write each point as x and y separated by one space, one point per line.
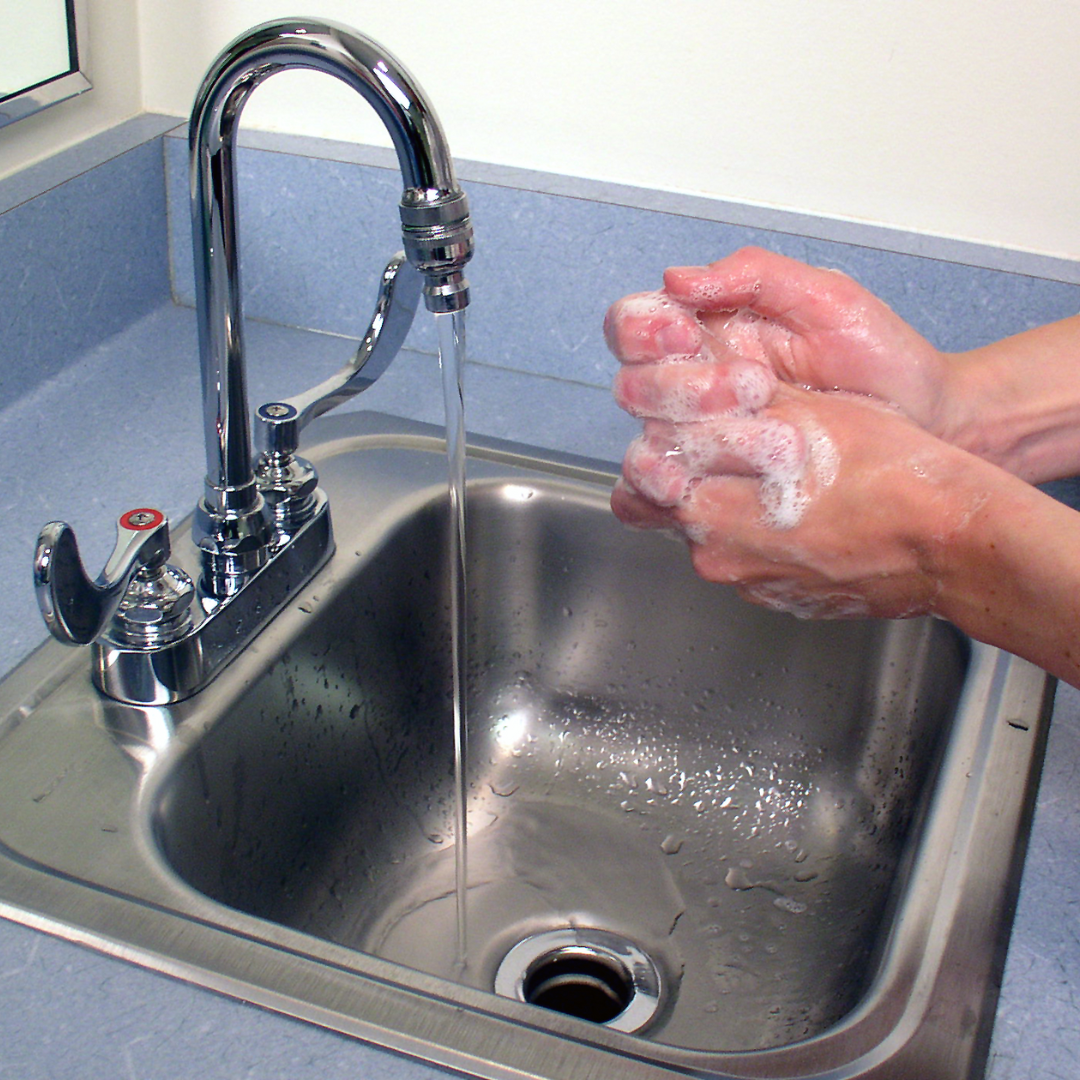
100 411
315 234
79 264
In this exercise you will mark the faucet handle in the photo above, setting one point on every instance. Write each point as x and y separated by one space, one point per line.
77 610
279 423
287 482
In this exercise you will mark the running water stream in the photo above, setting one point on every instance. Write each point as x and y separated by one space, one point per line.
452 365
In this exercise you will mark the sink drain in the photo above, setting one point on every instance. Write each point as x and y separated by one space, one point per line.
591 974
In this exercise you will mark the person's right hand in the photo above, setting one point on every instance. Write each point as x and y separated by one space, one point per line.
811 327
823 505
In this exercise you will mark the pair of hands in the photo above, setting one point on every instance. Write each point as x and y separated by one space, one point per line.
797 432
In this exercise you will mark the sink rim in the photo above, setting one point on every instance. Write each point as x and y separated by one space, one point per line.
164 924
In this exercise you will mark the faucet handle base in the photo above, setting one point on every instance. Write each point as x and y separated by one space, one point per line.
288 482
233 546
220 627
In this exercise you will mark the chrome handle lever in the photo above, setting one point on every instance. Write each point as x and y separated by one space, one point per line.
77 609
279 423
287 482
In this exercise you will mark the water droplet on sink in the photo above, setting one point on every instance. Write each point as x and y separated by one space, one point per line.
785 903
671 844
738 880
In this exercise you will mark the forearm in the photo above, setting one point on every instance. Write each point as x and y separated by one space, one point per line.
1016 403
1011 578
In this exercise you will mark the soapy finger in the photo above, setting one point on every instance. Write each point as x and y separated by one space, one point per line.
694 390
667 460
768 284
633 509
655 471
647 327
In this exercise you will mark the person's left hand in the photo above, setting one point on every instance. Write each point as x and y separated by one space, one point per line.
803 325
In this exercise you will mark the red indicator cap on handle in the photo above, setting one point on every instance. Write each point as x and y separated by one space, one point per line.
142 518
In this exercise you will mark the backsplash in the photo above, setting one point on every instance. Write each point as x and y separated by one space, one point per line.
315 232
88 257
78 263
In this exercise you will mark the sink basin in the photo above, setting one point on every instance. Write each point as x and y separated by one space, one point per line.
703 837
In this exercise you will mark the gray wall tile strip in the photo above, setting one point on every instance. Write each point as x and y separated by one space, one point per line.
315 232
700 207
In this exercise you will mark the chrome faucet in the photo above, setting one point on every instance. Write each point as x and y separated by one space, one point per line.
262 531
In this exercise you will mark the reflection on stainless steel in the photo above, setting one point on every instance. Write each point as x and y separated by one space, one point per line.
813 831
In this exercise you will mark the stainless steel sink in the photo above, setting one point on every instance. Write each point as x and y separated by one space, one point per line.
785 849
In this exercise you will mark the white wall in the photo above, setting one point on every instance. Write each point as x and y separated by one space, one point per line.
113 48
951 117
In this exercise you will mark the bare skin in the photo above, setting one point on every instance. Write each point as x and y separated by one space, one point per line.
920 506
1012 402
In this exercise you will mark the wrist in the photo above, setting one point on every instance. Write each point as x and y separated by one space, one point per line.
1010 577
965 405
1014 403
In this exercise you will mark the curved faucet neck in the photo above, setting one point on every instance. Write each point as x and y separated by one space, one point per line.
378 77
435 226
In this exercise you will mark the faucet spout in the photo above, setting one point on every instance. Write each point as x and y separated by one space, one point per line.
157 637
232 525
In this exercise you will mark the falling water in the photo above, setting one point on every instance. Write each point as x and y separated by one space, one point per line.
452 365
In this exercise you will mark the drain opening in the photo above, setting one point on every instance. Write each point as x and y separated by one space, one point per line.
589 974
579 984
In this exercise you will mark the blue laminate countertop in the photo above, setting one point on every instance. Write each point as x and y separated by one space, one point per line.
121 427
100 411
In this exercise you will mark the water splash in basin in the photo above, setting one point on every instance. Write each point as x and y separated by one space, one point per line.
735 793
